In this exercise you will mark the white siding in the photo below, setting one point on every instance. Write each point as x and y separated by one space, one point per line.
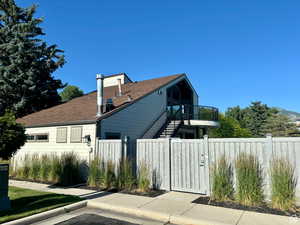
52 146
136 119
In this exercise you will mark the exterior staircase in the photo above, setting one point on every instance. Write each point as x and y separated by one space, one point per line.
169 129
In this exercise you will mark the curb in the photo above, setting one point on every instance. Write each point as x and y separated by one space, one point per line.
48 214
177 219
163 217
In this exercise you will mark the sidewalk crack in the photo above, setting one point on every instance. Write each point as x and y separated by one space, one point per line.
239 219
146 203
187 210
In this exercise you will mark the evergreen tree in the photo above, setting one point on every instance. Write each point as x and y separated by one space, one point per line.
279 125
12 135
26 62
237 113
70 92
256 116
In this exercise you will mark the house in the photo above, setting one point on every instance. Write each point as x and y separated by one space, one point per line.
156 108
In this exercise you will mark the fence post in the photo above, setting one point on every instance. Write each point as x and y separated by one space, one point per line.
124 147
267 158
168 147
207 164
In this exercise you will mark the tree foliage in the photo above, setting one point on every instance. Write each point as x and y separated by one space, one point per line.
12 135
261 119
26 62
229 128
70 92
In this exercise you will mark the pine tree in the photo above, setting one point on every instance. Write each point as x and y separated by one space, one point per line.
26 62
256 118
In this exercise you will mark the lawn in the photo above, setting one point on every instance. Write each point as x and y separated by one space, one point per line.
26 202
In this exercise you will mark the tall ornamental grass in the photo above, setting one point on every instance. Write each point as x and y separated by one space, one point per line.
222 184
45 168
126 179
249 180
23 170
35 167
64 169
96 173
70 169
55 168
143 178
283 184
110 178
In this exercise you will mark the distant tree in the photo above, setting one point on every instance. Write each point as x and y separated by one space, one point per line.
12 135
237 113
70 92
26 62
261 119
255 118
229 128
279 125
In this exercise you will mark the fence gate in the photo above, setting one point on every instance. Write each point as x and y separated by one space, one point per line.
189 166
176 164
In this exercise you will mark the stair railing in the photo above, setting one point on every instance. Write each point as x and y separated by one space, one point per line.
172 120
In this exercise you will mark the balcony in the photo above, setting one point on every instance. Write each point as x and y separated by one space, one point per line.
195 115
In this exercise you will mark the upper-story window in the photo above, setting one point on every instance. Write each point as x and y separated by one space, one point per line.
61 134
44 137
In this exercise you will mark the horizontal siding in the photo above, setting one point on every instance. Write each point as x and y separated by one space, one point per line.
156 126
52 147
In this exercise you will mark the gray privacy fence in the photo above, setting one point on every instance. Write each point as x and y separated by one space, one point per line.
184 165
113 150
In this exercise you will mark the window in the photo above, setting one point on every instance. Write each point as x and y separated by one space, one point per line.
76 135
30 138
61 134
38 137
109 135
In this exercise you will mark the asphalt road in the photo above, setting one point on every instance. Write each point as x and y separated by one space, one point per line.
91 216
93 219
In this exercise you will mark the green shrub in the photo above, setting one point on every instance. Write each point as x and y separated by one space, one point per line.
222 185
249 180
55 168
283 184
109 179
70 169
126 179
143 179
35 167
45 168
96 173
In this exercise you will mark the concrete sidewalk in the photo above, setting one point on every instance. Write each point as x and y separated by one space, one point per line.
83 193
172 207
176 208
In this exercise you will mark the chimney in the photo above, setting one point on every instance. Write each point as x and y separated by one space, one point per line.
120 88
100 102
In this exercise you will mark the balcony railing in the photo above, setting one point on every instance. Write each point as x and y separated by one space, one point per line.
193 112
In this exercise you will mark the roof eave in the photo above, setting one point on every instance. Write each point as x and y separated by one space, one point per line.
81 122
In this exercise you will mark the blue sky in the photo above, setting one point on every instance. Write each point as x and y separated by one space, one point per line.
234 52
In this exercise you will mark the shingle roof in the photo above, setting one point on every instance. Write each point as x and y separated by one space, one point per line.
83 109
